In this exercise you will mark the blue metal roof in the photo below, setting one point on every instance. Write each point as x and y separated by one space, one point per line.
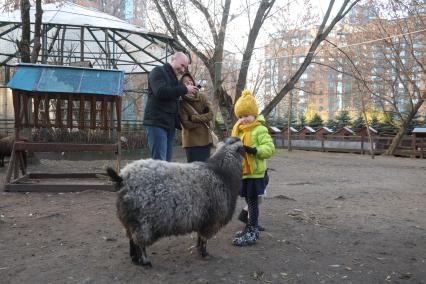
64 79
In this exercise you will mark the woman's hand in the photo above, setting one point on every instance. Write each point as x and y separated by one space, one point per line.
192 89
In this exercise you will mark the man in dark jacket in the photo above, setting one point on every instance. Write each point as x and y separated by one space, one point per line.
161 111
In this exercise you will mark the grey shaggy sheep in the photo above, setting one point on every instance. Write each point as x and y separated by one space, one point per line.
158 198
6 146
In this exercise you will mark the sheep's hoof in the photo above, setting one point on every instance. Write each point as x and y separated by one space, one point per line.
203 253
147 263
142 262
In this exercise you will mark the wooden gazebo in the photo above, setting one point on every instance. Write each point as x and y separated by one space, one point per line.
418 142
323 132
64 99
306 132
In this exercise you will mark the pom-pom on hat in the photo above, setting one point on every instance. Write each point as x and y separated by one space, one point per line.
246 105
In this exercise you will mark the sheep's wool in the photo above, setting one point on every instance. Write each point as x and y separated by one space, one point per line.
161 198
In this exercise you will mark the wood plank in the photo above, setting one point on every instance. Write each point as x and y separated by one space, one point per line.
46 121
104 114
81 110
64 147
11 166
26 100
30 187
17 108
36 110
24 178
118 102
69 112
93 112
68 175
58 118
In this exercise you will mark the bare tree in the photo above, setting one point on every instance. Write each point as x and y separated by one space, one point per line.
323 30
404 57
177 16
390 65
24 45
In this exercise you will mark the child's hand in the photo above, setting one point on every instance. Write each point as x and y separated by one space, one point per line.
250 150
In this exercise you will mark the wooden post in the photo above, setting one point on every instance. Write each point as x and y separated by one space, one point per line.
36 110
69 112
93 112
104 113
25 99
46 111
118 111
16 108
118 154
81 113
413 145
58 119
11 165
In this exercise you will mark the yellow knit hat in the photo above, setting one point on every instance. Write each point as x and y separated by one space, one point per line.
246 105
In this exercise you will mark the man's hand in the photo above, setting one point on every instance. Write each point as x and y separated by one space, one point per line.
250 150
192 89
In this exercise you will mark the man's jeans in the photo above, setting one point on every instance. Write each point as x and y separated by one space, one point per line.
160 142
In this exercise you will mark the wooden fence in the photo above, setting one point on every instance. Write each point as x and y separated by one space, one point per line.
354 144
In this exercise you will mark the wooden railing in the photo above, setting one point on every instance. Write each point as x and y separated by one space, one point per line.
354 144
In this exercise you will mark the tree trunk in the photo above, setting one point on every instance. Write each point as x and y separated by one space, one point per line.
37 32
223 98
403 128
290 109
263 11
226 108
24 44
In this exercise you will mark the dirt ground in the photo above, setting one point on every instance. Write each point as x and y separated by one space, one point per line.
329 218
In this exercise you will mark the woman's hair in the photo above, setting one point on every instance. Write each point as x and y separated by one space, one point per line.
187 74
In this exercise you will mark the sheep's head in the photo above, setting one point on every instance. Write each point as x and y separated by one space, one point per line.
229 153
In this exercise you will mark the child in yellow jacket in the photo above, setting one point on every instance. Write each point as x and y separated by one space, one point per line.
259 147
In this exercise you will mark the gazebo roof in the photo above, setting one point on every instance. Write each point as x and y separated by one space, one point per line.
108 42
325 128
62 79
310 129
419 130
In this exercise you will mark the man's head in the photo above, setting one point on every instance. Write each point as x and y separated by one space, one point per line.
179 62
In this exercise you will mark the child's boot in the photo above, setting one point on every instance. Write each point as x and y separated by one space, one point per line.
248 237
243 216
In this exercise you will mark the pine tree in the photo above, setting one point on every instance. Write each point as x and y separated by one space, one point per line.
358 123
316 121
331 124
302 122
343 119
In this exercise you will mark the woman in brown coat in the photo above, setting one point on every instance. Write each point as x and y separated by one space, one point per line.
195 113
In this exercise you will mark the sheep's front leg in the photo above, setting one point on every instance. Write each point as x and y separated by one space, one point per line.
138 255
202 246
135 252
144 257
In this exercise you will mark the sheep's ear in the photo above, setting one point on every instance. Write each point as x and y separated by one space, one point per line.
220 145
232 140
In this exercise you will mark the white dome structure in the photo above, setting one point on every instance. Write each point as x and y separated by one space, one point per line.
72 33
